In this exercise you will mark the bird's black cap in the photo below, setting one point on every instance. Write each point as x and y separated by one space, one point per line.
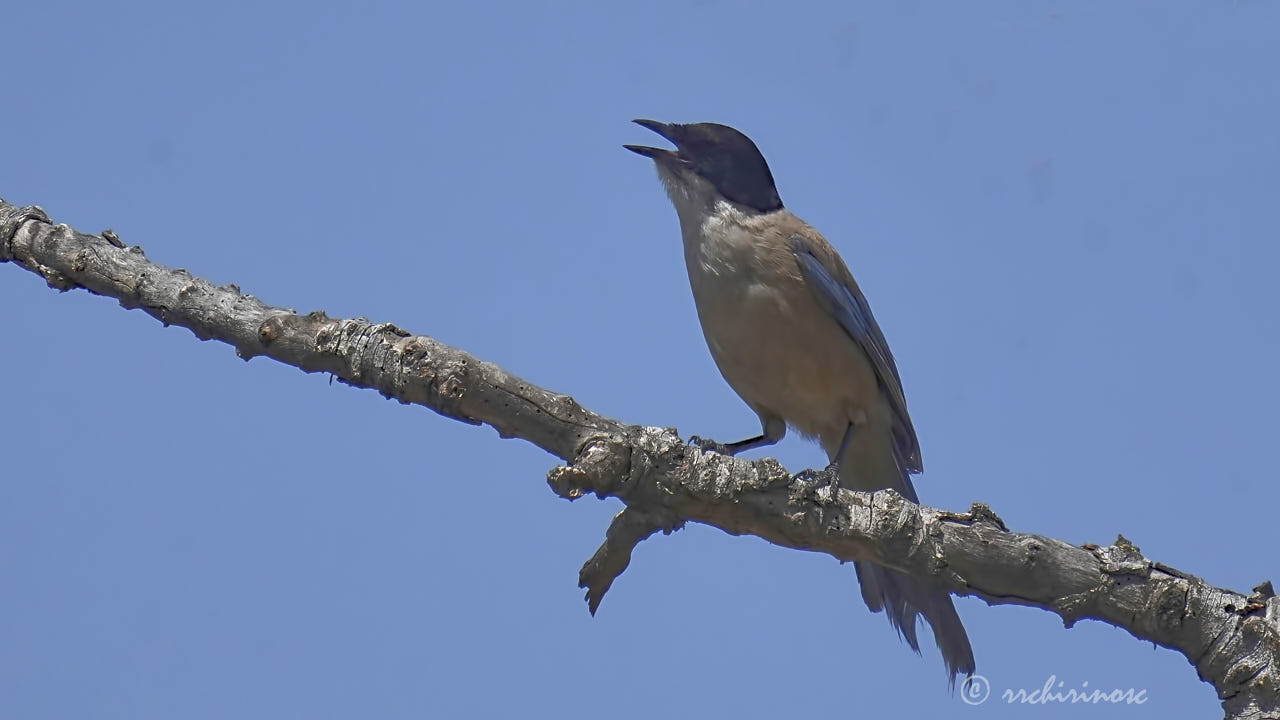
722 155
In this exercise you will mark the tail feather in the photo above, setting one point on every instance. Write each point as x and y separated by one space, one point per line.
903 597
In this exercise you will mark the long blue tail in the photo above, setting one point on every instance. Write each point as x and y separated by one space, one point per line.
903 597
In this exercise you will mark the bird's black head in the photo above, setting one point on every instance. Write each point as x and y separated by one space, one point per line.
722 156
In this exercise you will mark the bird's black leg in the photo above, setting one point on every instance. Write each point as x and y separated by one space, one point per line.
831 474
773 431
834 466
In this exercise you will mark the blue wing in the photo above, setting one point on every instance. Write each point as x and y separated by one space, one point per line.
847 305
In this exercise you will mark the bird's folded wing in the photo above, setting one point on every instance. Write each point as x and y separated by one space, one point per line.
837 293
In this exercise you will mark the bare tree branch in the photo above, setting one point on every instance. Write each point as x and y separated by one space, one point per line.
1233 640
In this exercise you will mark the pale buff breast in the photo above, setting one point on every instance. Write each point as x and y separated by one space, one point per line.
781 352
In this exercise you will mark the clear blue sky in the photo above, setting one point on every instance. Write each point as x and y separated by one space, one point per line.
1064 214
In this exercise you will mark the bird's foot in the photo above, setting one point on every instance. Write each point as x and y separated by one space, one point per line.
707 445
828 477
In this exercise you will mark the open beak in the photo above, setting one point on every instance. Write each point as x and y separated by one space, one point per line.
658 154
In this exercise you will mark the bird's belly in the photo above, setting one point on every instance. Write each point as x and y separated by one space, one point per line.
786 357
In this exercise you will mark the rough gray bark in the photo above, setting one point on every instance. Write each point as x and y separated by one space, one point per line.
1232 639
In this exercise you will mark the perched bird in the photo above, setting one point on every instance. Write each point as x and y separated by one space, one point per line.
793 335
